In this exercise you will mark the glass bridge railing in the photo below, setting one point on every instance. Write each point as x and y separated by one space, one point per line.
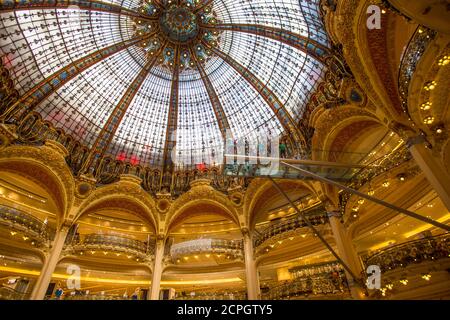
354 173
337 172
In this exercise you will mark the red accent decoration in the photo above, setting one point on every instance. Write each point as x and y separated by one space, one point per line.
121 156
201 166
134 160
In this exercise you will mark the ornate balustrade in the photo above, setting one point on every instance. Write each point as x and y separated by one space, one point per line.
411 252
320 279
20 221
414 52
316 269
238 295
285 228
94 297
112 243
232 248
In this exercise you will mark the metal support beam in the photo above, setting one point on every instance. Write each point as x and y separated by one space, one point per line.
304 218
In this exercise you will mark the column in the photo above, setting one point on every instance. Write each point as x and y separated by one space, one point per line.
432 167
40 288
250 267
347 253
157 270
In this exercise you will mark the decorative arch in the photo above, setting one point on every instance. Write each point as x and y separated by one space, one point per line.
198 195
336 127
125 195
261 188
46 166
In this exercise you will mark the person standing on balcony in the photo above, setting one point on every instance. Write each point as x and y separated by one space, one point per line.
59 292
283 149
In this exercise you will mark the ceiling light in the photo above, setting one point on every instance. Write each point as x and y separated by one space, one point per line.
430 85
428 120
386 184
426 277
426 106
445 60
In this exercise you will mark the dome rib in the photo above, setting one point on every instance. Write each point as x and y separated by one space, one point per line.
172 118
219 112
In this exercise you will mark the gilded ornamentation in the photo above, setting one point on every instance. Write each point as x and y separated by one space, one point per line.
50 159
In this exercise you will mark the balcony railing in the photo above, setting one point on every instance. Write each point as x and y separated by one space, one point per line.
313 280
414 52
316 216
212 296
412 252
112 243
233 248
94 297
26 223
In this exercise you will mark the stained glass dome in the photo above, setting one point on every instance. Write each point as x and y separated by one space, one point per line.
134 79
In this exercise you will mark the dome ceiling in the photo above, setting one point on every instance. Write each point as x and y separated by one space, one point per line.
133 79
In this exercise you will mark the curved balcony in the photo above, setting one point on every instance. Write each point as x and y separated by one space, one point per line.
211 296
94 297
112 243
414 52
309 281
412 252
232 248
285 228
23 222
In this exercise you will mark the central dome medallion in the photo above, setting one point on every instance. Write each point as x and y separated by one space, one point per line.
179 24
